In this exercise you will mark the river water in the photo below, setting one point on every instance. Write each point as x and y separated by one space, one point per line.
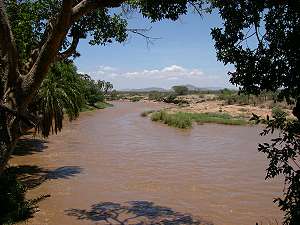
115 167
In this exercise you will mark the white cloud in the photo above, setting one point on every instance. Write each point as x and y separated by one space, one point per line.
159 77
170 72
106 68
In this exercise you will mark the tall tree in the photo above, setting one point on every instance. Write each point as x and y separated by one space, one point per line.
261 39
34 34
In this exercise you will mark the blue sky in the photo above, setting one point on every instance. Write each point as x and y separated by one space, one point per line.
184 54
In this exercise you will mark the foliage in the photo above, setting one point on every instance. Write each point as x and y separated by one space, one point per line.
29 22
180 90
61 93
271 61
170 98
283 153
14 207
278 112
260 38
93 90
156 96
136 98
66 92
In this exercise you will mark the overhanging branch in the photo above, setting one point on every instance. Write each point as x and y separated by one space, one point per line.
48 52
86 6
71 50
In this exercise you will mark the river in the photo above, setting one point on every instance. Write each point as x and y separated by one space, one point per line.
113 166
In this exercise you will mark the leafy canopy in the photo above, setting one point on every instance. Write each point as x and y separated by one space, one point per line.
261 39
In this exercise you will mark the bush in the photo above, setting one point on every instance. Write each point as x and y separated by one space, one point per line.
170 98
13 205
156 96
278 112
136 98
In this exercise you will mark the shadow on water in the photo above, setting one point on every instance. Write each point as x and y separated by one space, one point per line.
33 176
134 213
29 146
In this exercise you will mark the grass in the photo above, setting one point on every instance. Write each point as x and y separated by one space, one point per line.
184 120
179 120
146 113
219 118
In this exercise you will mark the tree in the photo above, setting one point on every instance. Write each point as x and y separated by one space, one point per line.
35 34
261 39
180 90
93 90
62 92
108 87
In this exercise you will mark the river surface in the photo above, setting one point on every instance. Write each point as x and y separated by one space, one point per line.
113 166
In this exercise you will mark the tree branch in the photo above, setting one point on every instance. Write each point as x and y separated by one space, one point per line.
8 46
86 6
47 53
72 49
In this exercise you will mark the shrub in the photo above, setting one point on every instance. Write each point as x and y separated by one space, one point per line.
13 205
136 98
170 98
278 112
156 96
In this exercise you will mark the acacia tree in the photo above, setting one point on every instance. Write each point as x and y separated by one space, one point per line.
261 39
34 34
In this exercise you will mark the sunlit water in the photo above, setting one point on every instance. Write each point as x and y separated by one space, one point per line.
212 172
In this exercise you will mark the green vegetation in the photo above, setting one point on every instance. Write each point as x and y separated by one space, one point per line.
36 34
269 64
14 207
146 113
278 112
185 119
136 98
98 105
65 92
179 120
180 90
219 118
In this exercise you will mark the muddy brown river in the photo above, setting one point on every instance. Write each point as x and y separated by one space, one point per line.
113 166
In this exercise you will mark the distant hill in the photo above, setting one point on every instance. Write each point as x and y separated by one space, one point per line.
145 89
189 86
194 88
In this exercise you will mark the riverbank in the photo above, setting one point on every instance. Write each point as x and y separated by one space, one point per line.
98 105
216 102
220 107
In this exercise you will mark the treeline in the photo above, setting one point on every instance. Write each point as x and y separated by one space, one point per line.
228 96
66 92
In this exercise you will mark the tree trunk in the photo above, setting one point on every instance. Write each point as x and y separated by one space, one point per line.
6 143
